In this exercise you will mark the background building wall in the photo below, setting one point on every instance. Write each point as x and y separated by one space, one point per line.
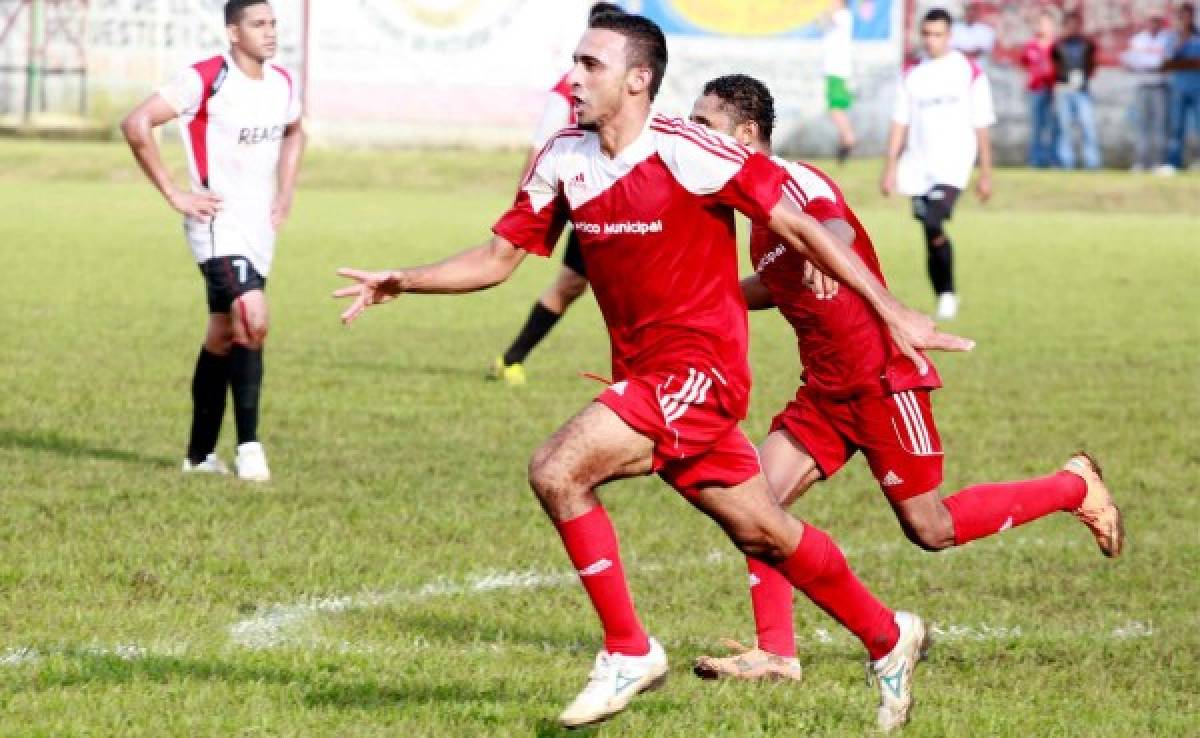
475 72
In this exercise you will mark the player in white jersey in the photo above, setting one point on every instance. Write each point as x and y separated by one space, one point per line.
939 126
240 123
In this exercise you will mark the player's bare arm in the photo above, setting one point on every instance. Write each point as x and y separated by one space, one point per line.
897 135
479 268
824 286
138 128
290 153
983 186
910 329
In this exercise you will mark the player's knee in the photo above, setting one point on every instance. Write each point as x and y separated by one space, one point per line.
218 341
548 477
760 542
571 288
935 235
219 344
253 333
930 535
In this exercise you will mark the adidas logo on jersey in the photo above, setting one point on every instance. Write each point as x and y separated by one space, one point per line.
891 479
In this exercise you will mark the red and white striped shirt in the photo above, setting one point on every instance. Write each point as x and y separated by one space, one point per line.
232 129
656 225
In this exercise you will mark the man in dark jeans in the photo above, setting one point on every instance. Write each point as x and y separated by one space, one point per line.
1184 65
1074 64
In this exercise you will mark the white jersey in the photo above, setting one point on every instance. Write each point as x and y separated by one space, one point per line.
233 129
836 45
557 115
943 102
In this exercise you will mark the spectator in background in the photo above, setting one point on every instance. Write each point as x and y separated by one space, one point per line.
837 64
973 37
1145 56
1183 64
1074 64
1038 61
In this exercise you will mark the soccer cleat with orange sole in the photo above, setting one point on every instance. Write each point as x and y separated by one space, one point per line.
1099 512
748 663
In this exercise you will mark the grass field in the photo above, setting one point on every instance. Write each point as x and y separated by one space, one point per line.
397 578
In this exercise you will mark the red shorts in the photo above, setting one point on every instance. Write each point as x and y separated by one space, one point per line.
895 432
697 444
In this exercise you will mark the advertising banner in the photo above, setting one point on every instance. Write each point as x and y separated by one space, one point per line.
762 18
433 67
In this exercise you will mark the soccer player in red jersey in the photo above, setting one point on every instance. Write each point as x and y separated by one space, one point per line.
653 201
860 394
571 281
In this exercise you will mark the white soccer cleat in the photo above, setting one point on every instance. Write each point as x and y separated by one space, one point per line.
1165 170
251 463
947 306
894 672
615 680
212 464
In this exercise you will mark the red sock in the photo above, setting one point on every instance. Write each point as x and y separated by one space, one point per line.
818 569
987 509
591 543
771 598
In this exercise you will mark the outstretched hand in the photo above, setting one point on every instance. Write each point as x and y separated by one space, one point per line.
913 331
371 288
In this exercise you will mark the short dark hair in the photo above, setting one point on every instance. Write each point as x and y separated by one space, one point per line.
235 8
938 14
748 98
645 44
599 9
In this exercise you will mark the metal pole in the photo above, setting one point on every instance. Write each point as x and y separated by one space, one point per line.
305 51
33 70
31 60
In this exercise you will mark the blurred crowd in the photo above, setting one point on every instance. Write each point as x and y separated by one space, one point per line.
1060 62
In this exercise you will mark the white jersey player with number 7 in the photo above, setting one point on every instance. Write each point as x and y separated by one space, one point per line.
241 128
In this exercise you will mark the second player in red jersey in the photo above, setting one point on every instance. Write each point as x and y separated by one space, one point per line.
860 393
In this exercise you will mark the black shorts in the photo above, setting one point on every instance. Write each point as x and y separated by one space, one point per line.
226 278
573 256
936 206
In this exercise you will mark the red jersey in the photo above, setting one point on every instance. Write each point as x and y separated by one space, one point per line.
656 228
844 347
1039 63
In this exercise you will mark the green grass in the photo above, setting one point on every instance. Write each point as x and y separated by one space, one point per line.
399 478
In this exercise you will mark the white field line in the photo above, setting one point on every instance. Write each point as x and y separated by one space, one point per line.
21 655
282 624
274 626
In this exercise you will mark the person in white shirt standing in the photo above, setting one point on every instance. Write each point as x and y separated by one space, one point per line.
1144 58
939 128
240 124
973 37
838 66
